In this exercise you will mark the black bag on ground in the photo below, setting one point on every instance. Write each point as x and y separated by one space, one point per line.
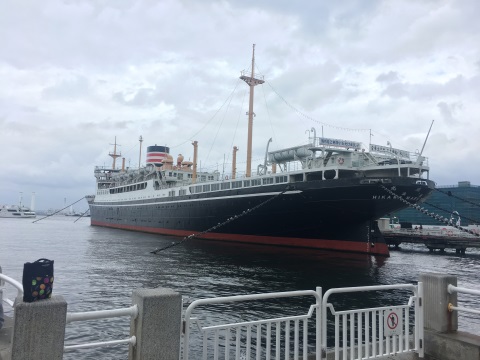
37 280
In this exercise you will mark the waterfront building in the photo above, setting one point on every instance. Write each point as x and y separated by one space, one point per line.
463 198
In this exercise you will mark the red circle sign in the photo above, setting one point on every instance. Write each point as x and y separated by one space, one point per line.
392 321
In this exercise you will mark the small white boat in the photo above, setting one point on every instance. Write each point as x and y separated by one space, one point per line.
19 211
16 211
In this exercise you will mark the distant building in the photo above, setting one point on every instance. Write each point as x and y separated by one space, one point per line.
444 201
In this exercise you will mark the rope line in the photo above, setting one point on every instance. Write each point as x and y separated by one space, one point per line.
308 117
426 212
56 212
448 212
214 115
229 220
78 218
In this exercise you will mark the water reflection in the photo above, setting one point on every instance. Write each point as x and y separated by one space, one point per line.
97 268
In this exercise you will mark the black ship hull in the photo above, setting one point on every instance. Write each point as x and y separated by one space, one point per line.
337 214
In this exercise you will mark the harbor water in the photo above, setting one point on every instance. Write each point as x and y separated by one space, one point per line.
97 269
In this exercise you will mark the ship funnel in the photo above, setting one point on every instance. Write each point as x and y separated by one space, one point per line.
195 155
157 154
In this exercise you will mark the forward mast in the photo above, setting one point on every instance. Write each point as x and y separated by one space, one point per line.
251 82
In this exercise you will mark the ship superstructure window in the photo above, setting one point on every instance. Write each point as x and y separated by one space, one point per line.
267 181
123 189
215 187
180 176
246 183
189 176
203 178
171 193
280 179
256 182
210 177
182 192
236 184
206 187
198 189
225 185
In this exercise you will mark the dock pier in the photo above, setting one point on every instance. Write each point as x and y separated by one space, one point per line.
434 240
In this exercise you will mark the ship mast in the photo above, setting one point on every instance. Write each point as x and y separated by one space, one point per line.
252 82
140 154
114 155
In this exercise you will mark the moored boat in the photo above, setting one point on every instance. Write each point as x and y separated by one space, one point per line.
15 211
325 194
19 211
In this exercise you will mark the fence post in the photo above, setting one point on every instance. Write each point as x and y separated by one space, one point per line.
436 298
157 326
39 329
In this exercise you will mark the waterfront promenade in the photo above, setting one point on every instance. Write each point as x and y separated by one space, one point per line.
427 327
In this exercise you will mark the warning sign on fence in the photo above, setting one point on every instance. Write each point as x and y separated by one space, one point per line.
392 322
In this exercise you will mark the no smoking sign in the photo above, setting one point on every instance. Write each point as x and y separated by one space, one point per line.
392 322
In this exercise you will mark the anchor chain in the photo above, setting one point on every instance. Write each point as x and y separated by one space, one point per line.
426 212
439 208
229 220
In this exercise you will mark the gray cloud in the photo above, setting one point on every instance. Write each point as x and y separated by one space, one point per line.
77 74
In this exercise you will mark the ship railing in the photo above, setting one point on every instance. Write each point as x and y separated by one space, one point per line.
131 312
454 289
374 332
286 336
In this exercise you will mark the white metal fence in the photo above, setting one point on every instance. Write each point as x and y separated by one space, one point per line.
375 332
358 334
286 336
131 312
6 279
451 289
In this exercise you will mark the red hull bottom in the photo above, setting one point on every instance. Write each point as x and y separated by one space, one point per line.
336 245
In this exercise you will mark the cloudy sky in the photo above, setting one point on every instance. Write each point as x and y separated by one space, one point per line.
76 74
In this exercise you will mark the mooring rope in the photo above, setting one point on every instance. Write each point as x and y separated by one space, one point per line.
78 218
448 212
156 251
426 212
56 212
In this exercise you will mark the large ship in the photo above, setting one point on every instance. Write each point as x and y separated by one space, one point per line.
325 194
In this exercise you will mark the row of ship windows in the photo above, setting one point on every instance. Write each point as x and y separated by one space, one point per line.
179 176
210 187
128 188
235 184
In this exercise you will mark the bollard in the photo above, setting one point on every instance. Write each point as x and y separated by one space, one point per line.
39 329
157 326
436 299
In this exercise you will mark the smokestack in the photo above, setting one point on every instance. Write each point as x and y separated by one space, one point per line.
194 175
234 162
